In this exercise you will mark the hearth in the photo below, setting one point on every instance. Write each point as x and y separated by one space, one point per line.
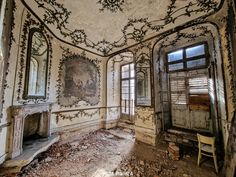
30 135
30 123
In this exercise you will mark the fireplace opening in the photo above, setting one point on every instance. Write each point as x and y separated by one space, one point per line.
34 129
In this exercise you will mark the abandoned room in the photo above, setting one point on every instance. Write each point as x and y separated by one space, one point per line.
103 88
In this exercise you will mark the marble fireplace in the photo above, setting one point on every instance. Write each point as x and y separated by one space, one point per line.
30 123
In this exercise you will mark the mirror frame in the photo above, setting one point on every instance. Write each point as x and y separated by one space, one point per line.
150 77
27 68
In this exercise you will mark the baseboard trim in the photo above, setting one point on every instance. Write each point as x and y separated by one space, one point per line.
79 126
3 158
111 123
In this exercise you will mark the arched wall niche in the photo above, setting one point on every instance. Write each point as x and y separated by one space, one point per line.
36 65
205 32
114 86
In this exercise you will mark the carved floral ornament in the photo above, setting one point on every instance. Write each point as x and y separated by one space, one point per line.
111 5
130 30
30 23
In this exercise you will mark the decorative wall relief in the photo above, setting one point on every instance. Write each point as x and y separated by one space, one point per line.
29 23
134 29
229 45
114 63
143 80
143 72
80 113
113 113
145 114
36 65
6 46
79 80
111 5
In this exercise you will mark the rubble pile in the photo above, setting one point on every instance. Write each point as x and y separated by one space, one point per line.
70 152
173 151
161 167
117 154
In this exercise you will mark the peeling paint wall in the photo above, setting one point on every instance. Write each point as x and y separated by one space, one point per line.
230 34
6 40
88 109
113 95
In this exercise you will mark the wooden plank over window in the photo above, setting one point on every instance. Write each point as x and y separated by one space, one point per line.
198 93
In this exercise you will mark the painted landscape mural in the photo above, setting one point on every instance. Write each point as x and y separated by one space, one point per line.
80 81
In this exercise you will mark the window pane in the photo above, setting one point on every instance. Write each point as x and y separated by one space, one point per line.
125 90
131 90
125 74
176 66
196 63
125 68
195 51
132 82
125 96
132 96
123 110
131 66
125 83
175 56
132 73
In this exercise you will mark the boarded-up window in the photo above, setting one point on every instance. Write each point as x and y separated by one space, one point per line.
199 93
178 91
186 88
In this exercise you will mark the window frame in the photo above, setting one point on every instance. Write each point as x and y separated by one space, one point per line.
127 79
185 59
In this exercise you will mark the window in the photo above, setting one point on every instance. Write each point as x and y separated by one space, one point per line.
199 92
192 57
127 89
188 79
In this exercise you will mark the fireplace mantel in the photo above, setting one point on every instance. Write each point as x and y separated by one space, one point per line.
18 115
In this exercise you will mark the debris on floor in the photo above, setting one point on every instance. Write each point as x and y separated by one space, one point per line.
112 153
173 151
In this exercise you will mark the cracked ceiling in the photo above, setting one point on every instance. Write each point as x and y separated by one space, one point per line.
107 26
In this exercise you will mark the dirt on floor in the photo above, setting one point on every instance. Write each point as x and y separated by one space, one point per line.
112 153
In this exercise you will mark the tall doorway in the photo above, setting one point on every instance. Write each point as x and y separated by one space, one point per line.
188 88
127 92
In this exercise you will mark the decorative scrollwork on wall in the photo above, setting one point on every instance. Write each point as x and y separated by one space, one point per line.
144 113
29 23
199 31
78 114
111 5
143 80
9 20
